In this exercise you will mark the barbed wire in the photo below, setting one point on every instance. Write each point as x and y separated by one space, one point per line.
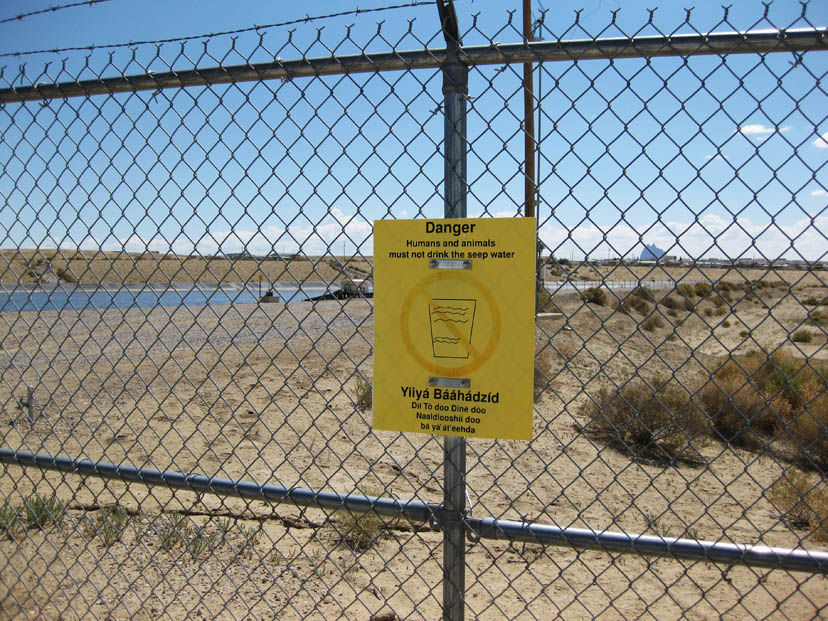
51 9
254 28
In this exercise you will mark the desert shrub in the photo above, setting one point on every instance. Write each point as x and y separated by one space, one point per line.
65 275
656 420
726 323
688 305
652 323
362 394
686 290
596 295
818 318
545 303
670 302
634 303
645 293
719 301
809 432
744 333
753 397
810 301
672 313
720 311
803 502
702 289
802 336
708 312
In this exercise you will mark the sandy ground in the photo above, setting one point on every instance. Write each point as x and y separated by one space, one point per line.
267 394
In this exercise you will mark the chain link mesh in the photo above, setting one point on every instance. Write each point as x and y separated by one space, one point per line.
680 393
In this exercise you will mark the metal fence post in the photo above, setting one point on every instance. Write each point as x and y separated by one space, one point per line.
455 93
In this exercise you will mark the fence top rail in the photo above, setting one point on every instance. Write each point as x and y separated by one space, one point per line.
749 42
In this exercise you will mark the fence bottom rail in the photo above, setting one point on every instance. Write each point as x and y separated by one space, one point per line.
812 561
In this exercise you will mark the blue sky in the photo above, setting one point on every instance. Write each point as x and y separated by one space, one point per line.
666 152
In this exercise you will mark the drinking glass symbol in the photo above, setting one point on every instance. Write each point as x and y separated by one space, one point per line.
451 327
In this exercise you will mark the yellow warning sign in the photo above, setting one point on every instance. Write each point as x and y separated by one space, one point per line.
454 326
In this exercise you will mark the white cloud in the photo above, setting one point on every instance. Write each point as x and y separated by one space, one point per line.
821 142
819 192
761 131
754 129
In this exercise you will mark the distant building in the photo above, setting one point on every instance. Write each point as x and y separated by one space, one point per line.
652 252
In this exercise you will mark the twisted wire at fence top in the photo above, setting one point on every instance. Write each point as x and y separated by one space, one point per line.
255 28
51 9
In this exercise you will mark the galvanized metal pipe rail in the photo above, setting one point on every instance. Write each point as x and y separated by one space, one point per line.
751 42
418 511
414 510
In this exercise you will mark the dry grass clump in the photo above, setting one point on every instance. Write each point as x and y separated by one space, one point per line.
724 286
65 275
818 318
634 303
361 531
109 525
768 284
596 295
803 502
653 323
37 513
545 303
363 394
802 336
702 289
671 303
645 293
685 290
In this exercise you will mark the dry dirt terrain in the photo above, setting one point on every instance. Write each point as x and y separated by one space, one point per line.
271 394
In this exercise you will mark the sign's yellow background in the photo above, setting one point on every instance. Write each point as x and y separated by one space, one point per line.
463 324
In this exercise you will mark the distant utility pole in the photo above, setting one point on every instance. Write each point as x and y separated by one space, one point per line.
529 115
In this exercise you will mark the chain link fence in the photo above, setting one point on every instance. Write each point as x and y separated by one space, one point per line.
187 328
